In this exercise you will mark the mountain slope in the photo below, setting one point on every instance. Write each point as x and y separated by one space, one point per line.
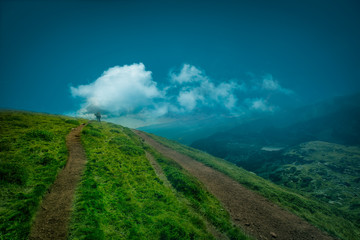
311 156
122 197
119 197
325 215
32 151
52 218
248 210
327 171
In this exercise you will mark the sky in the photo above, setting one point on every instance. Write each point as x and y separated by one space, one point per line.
145 62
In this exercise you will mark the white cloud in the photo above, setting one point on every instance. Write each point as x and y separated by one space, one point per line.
187 99
120 90
187 74
197 89
224 93
270 84
259 104
230 102
128 92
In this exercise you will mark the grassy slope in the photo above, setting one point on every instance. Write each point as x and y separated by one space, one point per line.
320 214
199 199
120 196
32 151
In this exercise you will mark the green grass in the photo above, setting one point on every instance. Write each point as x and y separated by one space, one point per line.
32 151
320 214
327 172
317 161
121 197
200 199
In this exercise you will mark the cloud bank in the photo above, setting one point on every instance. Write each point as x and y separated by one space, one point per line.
196 91
130 94
119 91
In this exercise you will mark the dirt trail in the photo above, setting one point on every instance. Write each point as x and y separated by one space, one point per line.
160 173
252 212
54 214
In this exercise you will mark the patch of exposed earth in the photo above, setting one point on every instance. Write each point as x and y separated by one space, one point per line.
53 217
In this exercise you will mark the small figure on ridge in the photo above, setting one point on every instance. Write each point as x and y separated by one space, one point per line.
98 116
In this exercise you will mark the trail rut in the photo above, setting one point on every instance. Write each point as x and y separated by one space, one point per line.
53 217
249 210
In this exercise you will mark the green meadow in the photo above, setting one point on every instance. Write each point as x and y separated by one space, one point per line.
200 200
32 151
333 220
121 197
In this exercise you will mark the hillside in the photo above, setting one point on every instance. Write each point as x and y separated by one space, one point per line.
327 171
250 211
120 195
32 152
318 155
130 190
328 216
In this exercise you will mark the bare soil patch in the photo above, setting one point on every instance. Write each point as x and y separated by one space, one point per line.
53 217
256 215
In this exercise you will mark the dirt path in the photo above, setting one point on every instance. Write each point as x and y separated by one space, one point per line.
160 173
54 214
252 212
158 170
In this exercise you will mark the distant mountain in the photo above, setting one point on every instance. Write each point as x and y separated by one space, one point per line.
336 120
255 125
187 131
314 149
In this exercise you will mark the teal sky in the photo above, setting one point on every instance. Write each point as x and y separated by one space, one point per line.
310 48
